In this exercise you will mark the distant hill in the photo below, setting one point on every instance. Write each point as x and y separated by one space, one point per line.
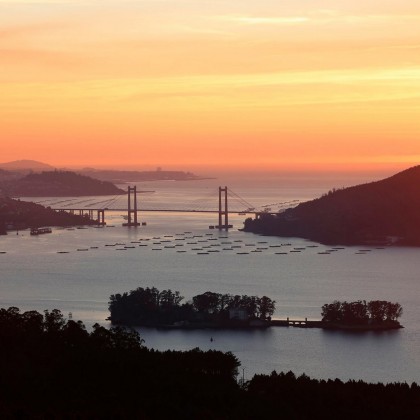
26 165
373 213
58 184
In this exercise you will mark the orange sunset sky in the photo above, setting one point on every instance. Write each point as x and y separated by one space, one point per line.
233 83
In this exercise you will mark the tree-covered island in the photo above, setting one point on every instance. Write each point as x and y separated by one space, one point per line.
151 307
164 309
362 315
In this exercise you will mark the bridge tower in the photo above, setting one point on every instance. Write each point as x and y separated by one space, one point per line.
101 217
132 209
223 202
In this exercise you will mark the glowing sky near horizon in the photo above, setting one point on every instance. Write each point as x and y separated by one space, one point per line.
172 83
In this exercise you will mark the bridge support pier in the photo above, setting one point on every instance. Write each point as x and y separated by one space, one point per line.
101 218
132 210
223 209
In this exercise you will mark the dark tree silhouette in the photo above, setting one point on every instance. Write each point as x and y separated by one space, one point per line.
53 368
361 313
149 306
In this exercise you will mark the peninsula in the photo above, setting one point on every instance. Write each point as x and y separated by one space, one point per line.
119 177
376 213
16 214
57 184
19 168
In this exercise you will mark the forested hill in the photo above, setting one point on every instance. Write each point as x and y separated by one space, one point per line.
58 184
372 213
23 214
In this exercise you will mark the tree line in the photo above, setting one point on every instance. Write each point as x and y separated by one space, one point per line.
52 367
152 307
361 312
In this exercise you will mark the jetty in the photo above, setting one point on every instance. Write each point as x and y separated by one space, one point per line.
302 323
305 323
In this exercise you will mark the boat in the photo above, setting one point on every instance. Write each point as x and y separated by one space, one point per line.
40 231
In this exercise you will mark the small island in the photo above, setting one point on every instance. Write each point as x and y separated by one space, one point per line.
361 315
376 315
153 308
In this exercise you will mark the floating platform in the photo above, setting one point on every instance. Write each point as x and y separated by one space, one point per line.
220 226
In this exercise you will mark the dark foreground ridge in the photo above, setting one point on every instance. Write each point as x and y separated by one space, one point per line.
380 212
53 368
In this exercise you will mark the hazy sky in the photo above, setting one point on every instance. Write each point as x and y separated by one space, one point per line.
268 83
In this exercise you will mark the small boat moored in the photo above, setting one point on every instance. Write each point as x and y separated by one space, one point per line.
40 231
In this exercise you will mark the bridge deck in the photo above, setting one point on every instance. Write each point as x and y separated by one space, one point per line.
161 210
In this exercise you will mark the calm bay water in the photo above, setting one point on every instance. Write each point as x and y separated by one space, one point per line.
34 276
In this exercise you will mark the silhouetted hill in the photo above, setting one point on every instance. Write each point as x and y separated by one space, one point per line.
58 184
26 165
377 212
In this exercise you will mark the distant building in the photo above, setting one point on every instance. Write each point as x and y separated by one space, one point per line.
238 314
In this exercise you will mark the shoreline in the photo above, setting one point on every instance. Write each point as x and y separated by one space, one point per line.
268 324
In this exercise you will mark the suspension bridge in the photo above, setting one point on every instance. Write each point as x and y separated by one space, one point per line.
222 202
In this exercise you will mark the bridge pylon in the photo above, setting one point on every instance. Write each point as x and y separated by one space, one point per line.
223 209
101 217
132 209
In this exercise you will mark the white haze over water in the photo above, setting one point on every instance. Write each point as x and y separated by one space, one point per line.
34 276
